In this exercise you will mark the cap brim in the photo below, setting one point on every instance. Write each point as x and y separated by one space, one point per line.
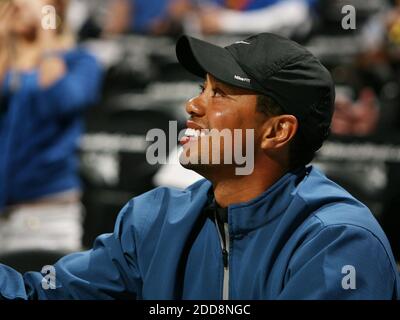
200 57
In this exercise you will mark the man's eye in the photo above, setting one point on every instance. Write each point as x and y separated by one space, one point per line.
217 93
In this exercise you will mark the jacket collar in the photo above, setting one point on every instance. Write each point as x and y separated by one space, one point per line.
247 216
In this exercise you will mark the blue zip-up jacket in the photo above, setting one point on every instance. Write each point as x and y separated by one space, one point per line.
294 241
39 129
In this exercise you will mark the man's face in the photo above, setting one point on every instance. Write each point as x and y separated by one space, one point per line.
219 106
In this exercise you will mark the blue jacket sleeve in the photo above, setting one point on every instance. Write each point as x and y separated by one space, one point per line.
341 262
78 88
108 271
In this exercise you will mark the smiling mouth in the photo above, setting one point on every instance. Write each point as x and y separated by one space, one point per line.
192 134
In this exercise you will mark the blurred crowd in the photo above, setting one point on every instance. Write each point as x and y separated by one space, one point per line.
172 17
107 74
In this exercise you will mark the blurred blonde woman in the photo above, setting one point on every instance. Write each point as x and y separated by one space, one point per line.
46 81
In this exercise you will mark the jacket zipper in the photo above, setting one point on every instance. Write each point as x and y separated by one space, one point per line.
225 258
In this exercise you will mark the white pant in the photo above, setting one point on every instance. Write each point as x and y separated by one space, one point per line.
49 227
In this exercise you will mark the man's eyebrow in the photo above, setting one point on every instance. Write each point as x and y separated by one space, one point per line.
221 85
226 88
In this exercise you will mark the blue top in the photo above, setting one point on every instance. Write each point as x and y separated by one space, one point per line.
146 12
255 4
39 129
303 238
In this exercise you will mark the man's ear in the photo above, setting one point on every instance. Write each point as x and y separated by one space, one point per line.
278 131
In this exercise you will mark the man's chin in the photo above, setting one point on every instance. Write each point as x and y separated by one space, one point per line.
208 171
197 167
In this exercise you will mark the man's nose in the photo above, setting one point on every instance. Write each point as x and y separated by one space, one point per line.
195 108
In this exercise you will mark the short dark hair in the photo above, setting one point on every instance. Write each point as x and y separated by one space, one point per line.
300 152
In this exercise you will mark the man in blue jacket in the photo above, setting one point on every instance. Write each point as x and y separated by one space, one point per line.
284 231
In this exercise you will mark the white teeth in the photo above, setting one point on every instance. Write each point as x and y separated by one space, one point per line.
189 132
193 132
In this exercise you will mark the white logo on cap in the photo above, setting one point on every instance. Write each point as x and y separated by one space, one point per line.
242 42
242 79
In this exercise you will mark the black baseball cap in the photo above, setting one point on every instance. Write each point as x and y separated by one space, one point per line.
273 66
